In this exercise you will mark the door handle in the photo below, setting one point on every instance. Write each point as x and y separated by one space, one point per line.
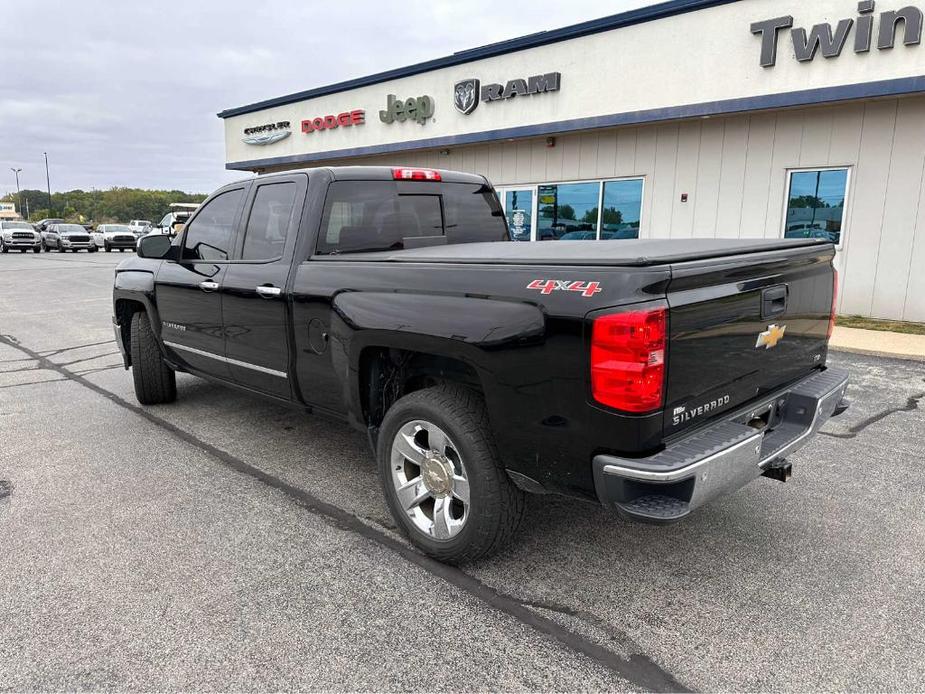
208 286
268 292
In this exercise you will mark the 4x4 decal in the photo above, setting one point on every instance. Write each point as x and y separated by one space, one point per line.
550 286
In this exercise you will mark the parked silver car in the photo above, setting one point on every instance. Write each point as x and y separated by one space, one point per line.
67 237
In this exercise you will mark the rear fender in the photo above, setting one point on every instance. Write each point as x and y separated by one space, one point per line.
463 328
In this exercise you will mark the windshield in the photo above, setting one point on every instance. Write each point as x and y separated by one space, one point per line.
109 228
17 225
142 223
71 229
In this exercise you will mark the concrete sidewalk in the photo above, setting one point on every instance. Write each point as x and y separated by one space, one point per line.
878 342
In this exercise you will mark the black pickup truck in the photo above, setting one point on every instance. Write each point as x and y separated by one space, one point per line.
649 375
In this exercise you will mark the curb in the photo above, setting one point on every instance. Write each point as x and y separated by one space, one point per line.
874 353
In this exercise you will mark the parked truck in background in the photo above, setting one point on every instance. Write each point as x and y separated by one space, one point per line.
649 375
19 236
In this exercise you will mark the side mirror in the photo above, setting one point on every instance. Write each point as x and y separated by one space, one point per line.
157 247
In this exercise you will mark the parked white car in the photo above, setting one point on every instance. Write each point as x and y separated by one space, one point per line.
139 227
19 236
110 236
172 222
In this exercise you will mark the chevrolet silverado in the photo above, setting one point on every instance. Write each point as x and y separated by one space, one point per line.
650 376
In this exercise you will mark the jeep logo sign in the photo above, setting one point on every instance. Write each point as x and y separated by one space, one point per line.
464 92
418 109
829 40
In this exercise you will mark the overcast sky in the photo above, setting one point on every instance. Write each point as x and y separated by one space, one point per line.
124 93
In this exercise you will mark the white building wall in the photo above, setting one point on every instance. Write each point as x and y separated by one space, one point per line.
734 170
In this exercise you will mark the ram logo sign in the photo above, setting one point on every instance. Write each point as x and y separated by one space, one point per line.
466 96
468 93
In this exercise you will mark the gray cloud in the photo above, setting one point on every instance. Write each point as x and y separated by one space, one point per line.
125 94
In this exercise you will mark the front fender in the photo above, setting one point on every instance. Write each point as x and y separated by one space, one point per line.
134 285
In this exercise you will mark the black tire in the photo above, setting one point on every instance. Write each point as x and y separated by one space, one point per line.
3 248
37 249
23 250
155 382
107 248
43 246
496 505
61 249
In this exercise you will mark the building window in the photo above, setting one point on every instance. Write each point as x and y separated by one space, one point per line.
577 211
622 207
568 211
816 204
518 209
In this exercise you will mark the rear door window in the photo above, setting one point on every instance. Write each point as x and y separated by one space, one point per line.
366 216
268 224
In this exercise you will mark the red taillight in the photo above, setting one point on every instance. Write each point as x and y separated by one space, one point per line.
415 175
628 360
834 300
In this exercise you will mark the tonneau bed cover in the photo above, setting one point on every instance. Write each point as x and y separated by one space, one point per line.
624 252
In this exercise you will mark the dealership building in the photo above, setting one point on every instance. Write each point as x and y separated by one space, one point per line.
692 118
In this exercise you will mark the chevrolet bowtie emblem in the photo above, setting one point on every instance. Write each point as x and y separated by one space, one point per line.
770 337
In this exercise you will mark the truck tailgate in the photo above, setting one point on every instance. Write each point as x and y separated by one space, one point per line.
741 327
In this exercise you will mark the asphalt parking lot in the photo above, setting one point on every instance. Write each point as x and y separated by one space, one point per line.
225 543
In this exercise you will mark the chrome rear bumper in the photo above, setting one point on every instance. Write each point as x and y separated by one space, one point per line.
722 457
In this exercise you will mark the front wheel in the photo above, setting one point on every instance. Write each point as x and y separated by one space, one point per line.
155 382
3 248
37 249
442 475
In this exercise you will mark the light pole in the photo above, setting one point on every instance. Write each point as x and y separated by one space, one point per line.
51 209
18 194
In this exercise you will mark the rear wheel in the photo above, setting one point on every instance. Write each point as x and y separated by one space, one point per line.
155 382
442 476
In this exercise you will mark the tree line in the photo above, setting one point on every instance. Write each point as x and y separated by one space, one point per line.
99 206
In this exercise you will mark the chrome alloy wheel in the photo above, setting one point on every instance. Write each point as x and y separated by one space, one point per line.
430 479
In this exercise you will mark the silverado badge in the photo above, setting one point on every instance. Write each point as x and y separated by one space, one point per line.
770 337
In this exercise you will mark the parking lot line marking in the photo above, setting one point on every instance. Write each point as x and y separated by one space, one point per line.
52 353
638 669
